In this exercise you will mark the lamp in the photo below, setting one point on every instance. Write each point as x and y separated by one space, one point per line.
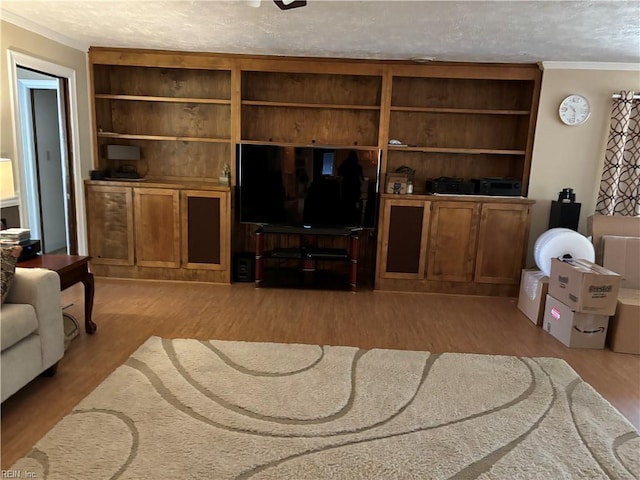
7 188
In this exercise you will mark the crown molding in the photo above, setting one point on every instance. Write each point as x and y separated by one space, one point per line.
43 31
590 66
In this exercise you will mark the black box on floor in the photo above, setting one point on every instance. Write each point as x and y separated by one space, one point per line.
30 249
244 267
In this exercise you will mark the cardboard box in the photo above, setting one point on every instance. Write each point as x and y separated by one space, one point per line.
397 183
534 285
624 327
622 255
584 286
600 225
574 329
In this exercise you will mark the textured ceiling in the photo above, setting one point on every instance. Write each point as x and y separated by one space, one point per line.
505 31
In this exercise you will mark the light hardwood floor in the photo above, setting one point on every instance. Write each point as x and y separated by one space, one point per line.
128 312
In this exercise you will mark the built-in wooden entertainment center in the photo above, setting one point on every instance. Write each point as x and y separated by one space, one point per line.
188 111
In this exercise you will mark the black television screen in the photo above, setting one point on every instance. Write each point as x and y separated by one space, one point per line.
308 186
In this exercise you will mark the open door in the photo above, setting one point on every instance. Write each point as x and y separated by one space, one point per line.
47 167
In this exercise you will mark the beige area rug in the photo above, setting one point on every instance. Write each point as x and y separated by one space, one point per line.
216 409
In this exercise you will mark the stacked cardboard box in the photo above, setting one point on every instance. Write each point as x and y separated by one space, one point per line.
534 285
624 331
622 255
582 296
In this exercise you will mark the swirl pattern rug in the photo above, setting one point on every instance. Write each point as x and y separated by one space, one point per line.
218 409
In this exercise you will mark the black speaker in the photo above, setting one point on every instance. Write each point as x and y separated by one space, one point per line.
244 267
565 212
565 215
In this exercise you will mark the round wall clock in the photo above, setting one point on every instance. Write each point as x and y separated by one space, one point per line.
574 110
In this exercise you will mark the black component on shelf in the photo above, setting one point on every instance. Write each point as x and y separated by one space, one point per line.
285 253
327 254
510 187
450 185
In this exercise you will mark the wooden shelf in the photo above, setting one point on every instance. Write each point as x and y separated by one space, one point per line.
474 111
129 136
309 145
256 103
474 151
148 98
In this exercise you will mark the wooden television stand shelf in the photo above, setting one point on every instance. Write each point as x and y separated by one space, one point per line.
308 253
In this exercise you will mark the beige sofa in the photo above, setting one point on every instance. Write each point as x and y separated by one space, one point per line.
31 328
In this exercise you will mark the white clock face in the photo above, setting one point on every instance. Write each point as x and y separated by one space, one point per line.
574 110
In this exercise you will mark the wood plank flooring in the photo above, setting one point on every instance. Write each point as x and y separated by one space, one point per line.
128 312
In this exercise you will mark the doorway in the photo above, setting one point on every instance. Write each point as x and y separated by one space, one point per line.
45 165
46 169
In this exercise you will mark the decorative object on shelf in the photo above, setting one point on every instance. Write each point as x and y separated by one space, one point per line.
397 183
225 174
574 110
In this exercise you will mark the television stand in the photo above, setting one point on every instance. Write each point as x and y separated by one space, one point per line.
308 253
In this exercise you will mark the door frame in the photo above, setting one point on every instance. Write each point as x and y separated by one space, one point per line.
15 60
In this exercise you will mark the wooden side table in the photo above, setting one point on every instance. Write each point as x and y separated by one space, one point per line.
71 269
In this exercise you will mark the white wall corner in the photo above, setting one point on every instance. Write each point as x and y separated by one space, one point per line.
41 30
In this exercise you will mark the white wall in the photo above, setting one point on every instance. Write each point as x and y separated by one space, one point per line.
573 157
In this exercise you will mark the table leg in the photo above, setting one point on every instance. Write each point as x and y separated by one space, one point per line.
89 326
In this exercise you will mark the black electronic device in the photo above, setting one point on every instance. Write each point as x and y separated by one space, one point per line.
308 187
123 174
30 249
450 185
503 186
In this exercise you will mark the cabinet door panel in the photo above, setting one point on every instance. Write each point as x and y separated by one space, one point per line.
204 230
452 242
110 225
503 234
157 227
406 226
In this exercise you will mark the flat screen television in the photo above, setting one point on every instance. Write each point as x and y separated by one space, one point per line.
308 186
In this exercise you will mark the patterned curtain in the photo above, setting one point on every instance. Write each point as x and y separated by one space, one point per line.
620 185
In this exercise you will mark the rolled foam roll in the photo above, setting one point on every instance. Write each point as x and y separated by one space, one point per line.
561 243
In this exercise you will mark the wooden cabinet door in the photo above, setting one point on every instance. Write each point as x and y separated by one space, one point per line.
452 243
504 230
205 230
404 239
110 225
157 219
